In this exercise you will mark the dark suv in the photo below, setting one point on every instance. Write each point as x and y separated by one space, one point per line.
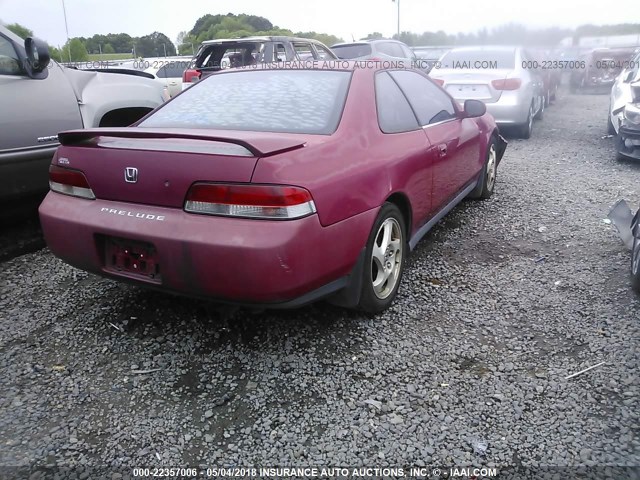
214 55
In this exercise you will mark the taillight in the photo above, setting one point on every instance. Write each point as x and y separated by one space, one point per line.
69 182
191 75
507 84
251 201
439 81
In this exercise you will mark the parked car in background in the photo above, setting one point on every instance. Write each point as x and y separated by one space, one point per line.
169 74
550 72
628 225
628 137
216 55
246 204
39 98
501 77
427 57
598 69
382 49
622 93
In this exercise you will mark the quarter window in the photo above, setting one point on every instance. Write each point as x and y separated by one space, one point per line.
430 103
394 112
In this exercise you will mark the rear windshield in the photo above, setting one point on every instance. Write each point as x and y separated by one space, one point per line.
229 55
354 50
477 59
290 101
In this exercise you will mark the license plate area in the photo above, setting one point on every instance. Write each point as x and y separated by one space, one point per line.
469 91
132 258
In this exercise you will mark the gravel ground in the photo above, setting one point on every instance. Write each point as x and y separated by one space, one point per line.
502 301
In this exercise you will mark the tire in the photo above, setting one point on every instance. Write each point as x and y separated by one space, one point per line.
524 130
540 114
635 265
610 128
384 260
487 182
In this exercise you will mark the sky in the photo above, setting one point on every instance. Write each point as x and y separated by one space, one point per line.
344 18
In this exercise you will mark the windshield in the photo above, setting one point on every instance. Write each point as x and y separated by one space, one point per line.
298 101
353 50
498 59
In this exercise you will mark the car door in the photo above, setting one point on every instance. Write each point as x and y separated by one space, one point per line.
455 141
406 139
33 112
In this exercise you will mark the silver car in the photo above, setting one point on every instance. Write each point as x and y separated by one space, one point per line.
379 49
504 78
621 93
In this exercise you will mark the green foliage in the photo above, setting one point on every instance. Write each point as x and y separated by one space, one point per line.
75 49
601 30
321 37
153 45
20 30
55 54
108 49
374 36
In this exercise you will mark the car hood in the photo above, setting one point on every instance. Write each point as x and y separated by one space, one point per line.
81 79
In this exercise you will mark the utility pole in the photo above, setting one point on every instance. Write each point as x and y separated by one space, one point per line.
165 49
100 47
66 26
398 2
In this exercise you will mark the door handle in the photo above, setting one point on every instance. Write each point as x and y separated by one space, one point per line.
442 150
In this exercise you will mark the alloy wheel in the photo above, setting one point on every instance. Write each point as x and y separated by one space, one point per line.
491 167
386 258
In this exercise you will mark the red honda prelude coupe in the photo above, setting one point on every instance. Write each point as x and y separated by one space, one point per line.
272 187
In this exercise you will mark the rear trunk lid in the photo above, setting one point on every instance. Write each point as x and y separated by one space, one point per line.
465 84
158 166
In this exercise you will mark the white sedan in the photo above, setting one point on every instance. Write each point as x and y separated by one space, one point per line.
169 73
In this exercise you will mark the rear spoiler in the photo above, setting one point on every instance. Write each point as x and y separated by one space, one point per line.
259 144
121 71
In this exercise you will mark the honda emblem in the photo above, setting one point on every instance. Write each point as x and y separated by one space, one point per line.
131 174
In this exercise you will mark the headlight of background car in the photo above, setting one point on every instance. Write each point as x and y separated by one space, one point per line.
632 113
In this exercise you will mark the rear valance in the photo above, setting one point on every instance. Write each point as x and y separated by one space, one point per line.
257 144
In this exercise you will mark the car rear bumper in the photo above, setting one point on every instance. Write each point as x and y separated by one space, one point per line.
510 109
245 261
628 142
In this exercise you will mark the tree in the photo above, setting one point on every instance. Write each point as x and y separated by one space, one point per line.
76 49
56 54
108 49
374 36
154 44
20 30
321 37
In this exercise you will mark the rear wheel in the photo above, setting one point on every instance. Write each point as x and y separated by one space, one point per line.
635 265
524 130
384 260
540 114
487 180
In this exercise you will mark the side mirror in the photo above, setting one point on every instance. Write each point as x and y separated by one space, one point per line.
474 108
38 56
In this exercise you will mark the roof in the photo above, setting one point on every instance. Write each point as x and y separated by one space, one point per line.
260 39
476 48
367 42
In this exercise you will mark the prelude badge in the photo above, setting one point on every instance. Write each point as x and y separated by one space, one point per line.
130 174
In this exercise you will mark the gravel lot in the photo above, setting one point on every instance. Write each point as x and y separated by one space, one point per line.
502 301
